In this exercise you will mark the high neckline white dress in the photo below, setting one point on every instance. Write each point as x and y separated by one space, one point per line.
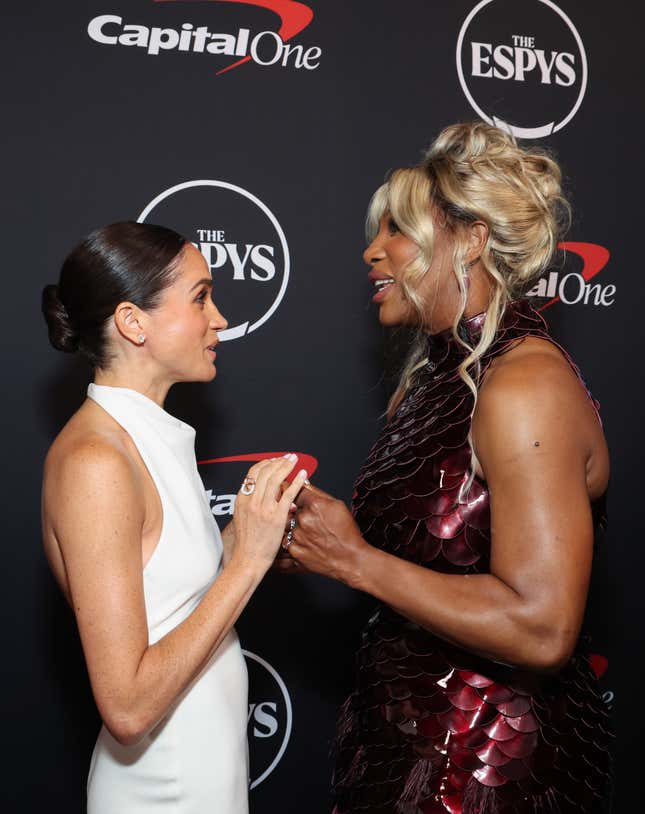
195 761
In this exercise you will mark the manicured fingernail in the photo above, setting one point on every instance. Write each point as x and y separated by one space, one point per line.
303 474
292 456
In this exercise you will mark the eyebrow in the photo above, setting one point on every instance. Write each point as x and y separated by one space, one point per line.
205 281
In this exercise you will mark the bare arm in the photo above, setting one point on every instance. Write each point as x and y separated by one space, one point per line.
98 522
528 610
228 541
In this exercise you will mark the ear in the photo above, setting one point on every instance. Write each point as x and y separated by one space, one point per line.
130 322
477 239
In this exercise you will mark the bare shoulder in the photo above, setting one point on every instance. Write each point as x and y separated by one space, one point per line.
84 445
92 499
534 377
89 452
531 400
87 455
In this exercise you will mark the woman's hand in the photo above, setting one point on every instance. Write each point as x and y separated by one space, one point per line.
325 539
261 516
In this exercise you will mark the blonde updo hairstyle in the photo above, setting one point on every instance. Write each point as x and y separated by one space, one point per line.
474 172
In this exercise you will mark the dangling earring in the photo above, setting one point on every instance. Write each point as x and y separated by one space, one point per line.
141 339
466 269
466 276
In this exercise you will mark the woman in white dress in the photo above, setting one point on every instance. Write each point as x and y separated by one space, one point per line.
130 537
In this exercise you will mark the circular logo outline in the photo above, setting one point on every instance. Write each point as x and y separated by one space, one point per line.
243 328
287 700
523 132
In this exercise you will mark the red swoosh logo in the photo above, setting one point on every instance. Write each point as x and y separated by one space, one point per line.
294 18
599 664
304 461
594 259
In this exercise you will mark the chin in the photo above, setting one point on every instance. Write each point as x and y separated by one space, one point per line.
390 320
201 375
398 315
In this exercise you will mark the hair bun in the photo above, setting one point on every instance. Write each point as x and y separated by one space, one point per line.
489 150
470 141
61 333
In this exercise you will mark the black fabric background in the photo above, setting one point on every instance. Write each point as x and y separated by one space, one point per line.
92 133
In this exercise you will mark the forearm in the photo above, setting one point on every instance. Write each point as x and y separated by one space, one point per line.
478 612
228 542
167 667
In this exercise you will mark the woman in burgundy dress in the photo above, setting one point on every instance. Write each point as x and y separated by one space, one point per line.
474 515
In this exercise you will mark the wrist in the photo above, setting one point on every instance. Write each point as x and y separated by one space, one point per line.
356 566
252 569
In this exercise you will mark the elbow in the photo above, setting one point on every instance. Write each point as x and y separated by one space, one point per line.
549 660
544 640
127 728
550 652
126 736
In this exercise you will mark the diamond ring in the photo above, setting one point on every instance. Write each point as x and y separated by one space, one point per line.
288 541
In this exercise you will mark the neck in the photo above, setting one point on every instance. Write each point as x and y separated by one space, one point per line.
154 388
480 293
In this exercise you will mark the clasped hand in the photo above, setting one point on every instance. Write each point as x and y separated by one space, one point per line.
262 507
325 538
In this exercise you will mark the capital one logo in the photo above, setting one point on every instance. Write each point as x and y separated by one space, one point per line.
270 717
242 242
571 284
264 47
522 66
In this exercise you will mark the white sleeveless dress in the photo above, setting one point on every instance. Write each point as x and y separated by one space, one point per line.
195 761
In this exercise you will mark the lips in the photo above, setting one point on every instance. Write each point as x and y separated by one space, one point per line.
382 283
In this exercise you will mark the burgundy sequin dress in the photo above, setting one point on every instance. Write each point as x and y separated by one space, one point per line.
431 728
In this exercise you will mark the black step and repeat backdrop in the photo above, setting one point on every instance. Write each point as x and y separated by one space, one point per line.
259 129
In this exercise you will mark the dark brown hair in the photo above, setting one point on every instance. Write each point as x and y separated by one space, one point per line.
122 262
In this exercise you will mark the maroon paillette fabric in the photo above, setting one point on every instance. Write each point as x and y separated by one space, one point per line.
431 728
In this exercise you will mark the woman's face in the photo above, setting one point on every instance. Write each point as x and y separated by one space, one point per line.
389 255
182 330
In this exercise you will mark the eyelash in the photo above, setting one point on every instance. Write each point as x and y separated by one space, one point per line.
392 226
201 297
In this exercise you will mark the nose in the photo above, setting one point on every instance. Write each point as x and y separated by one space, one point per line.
217 321
373 253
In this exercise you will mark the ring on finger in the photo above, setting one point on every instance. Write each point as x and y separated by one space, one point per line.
292 524
248 486
288 541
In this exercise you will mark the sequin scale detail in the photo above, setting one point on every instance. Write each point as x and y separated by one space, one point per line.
431 728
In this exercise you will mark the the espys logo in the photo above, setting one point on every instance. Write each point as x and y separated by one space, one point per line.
270 717
522 67
240 239
571 284
223 482
240 44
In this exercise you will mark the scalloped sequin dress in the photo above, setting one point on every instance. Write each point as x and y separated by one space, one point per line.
432 728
